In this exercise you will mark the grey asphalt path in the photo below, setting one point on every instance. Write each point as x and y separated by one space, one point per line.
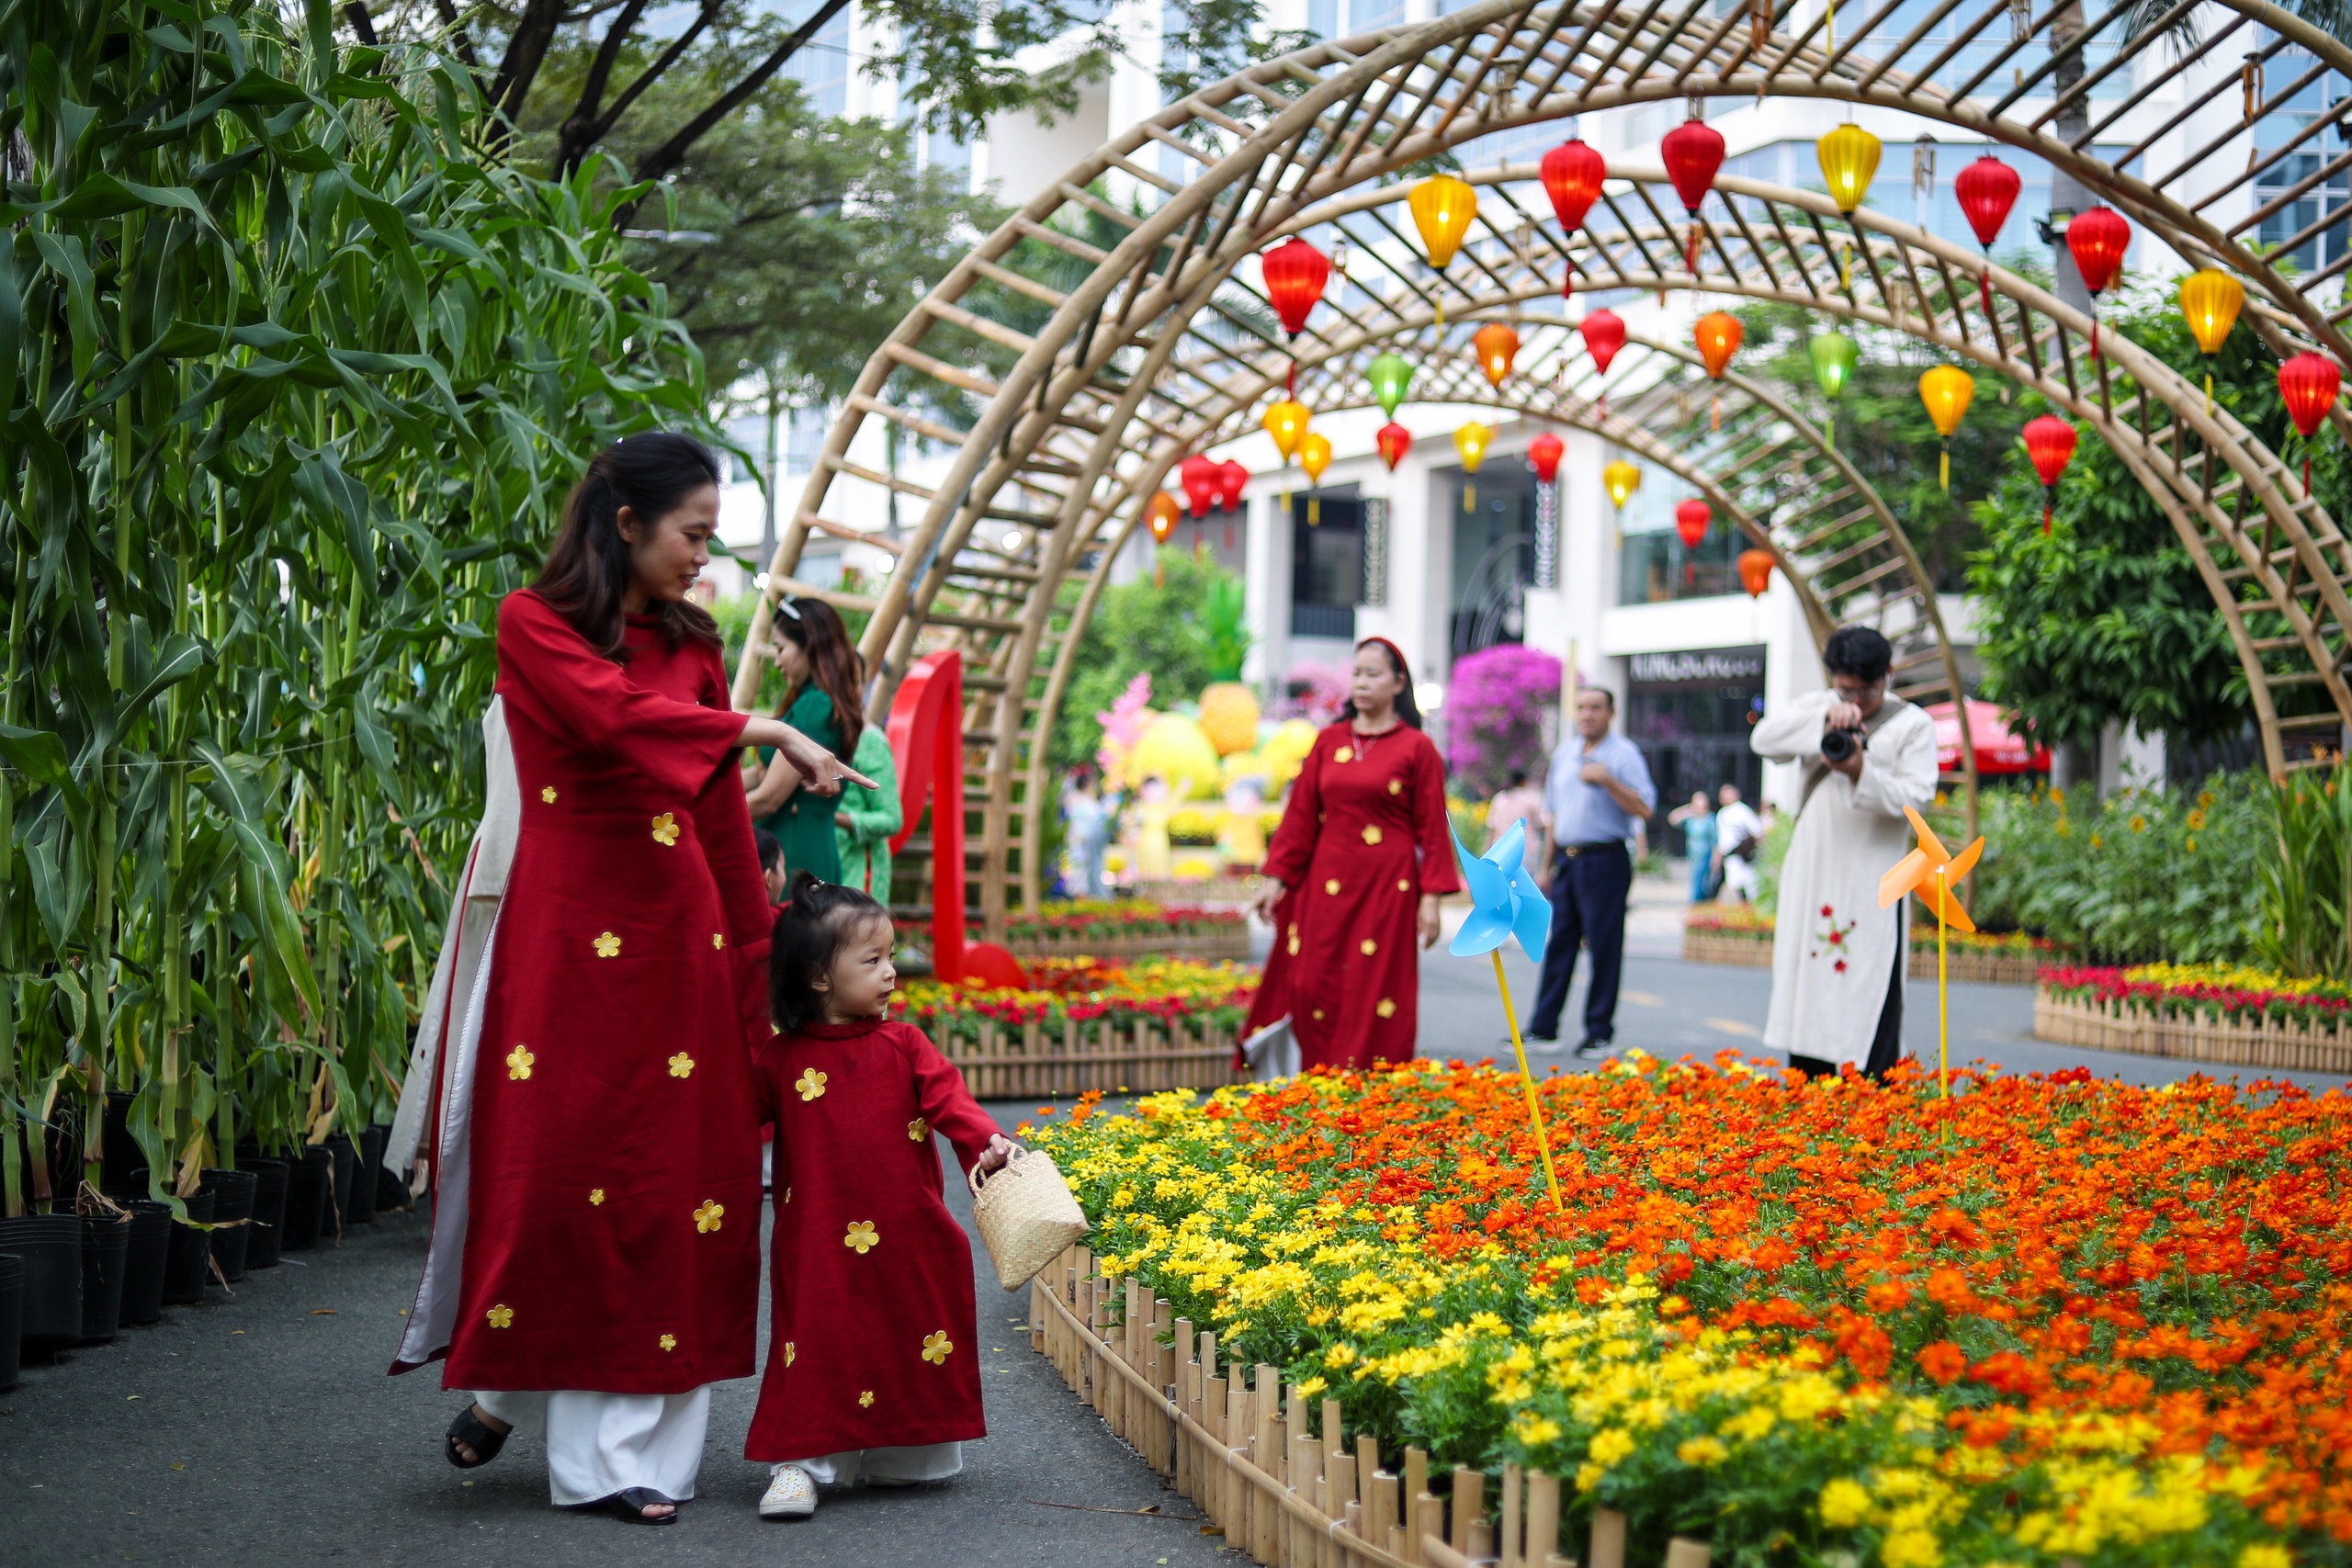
262 1431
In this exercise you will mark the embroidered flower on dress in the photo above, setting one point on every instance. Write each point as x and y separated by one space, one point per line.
1370 833
1403 886
501 1316
665 830
1367 947
518 1062
865 1400
682 1065
1388 1007
717 940
1344 754
669 1341
811 1084
1831 940
1396 786
1332 886
789 1353
861 1237
918 1129
548 795
608 947
707 1217
935 1349
596 1196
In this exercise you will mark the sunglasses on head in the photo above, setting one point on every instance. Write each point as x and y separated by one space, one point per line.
786 605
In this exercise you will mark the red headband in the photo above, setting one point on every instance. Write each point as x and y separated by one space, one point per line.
1403 671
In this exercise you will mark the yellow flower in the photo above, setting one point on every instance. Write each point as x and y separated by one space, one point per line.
2066 828
669 1341
1367 947
2192 846
717 939
1534 1430
707 1217
2097 842
1370 834
917 1130
2138 823
548 795
608 947
2264 1554
596 1196
811 1084
665 830
936 1349
1702 1450
1844 1503
682 1065
1749 1424
518 1062
1910 1549
865 1400
2205 797
861 1237
2196 820
790 1354
1612 1445
1388 1007
500 1316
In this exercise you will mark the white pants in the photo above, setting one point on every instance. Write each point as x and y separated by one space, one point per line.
926 1461
600 1444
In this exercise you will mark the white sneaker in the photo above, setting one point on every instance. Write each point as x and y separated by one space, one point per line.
790 1495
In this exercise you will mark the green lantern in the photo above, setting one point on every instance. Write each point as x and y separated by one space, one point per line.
1833 367
1390 374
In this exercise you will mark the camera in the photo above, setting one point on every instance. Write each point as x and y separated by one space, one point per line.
1837 745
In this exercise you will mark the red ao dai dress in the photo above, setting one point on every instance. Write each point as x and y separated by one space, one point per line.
1363 837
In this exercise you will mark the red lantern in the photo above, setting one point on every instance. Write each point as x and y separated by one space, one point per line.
1544 452
1199 475
2308 384
1693 153
2049 442
2097 240
1572 176
1160 514
1395 442
1295 273
1230 479
1756 571
1604 334
1987 189
1691 521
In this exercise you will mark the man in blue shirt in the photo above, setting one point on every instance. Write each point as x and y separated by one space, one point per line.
1599 786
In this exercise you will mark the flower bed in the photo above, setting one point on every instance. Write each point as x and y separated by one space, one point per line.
1088 1025
1739 935
1128 927
2049 1320
2209 1012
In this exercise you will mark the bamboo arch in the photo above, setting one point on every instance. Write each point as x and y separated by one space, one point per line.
1159 348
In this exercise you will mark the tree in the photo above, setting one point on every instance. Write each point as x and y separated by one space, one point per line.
958 61
1139 626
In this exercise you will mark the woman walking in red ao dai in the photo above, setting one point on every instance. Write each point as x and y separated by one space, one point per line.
1353 875
873 1368
592 1268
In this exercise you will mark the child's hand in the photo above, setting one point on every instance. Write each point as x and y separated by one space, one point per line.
996 1157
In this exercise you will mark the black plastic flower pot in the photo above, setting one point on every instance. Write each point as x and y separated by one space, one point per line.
359 1197
392 1193
51 1245
105 1254
142 1264
12 1318
189 1262
268 1224
306 1199
346 1162
233 1208
122 1153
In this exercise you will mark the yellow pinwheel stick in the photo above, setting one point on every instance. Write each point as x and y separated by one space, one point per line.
1916 872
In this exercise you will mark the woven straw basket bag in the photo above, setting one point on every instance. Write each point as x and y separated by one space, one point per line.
1026 1217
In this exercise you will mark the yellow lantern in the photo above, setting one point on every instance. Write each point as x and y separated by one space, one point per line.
2211 300
1946 390
1621 478
1314 456
1442 207
1286 423
1849 160
1472 441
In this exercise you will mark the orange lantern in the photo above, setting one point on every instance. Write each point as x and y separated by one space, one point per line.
1756 571
1718 334
1496 346
1160 514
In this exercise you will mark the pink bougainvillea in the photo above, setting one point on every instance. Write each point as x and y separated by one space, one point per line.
1495 710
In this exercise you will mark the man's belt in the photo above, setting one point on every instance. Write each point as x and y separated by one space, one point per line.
1570 851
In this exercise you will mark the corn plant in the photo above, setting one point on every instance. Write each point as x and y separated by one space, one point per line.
2307 886
295 374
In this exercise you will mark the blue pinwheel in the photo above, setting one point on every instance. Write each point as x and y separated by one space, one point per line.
1504 903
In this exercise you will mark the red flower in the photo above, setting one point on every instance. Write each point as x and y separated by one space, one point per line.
1840 965
1826 911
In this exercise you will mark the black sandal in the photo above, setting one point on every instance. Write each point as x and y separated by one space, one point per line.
475 1434
631 1506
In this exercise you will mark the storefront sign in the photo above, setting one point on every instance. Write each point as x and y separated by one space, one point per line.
1714 666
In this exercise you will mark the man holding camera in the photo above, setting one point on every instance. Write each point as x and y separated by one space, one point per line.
1837 958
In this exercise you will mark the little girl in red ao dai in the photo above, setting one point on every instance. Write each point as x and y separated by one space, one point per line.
873 1372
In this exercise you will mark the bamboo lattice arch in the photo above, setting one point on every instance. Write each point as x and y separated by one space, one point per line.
1152 346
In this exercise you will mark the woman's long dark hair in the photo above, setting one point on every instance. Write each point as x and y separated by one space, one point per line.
1407 708
810 930
816 628
588 571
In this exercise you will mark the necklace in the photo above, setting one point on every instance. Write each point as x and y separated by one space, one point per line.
1363 742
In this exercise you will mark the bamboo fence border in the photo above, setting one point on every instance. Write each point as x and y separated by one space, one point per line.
1205 943
1320 1503
2128 1026
1703 946
1135 1055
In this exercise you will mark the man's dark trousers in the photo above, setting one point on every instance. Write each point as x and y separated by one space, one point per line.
1589 891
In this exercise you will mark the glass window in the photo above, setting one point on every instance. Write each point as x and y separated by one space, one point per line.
2315 199
1494 552
1327 564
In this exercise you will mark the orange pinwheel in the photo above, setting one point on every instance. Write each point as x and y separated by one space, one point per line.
1917 873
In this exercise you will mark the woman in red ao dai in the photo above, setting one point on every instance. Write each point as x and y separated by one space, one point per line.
1353 875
